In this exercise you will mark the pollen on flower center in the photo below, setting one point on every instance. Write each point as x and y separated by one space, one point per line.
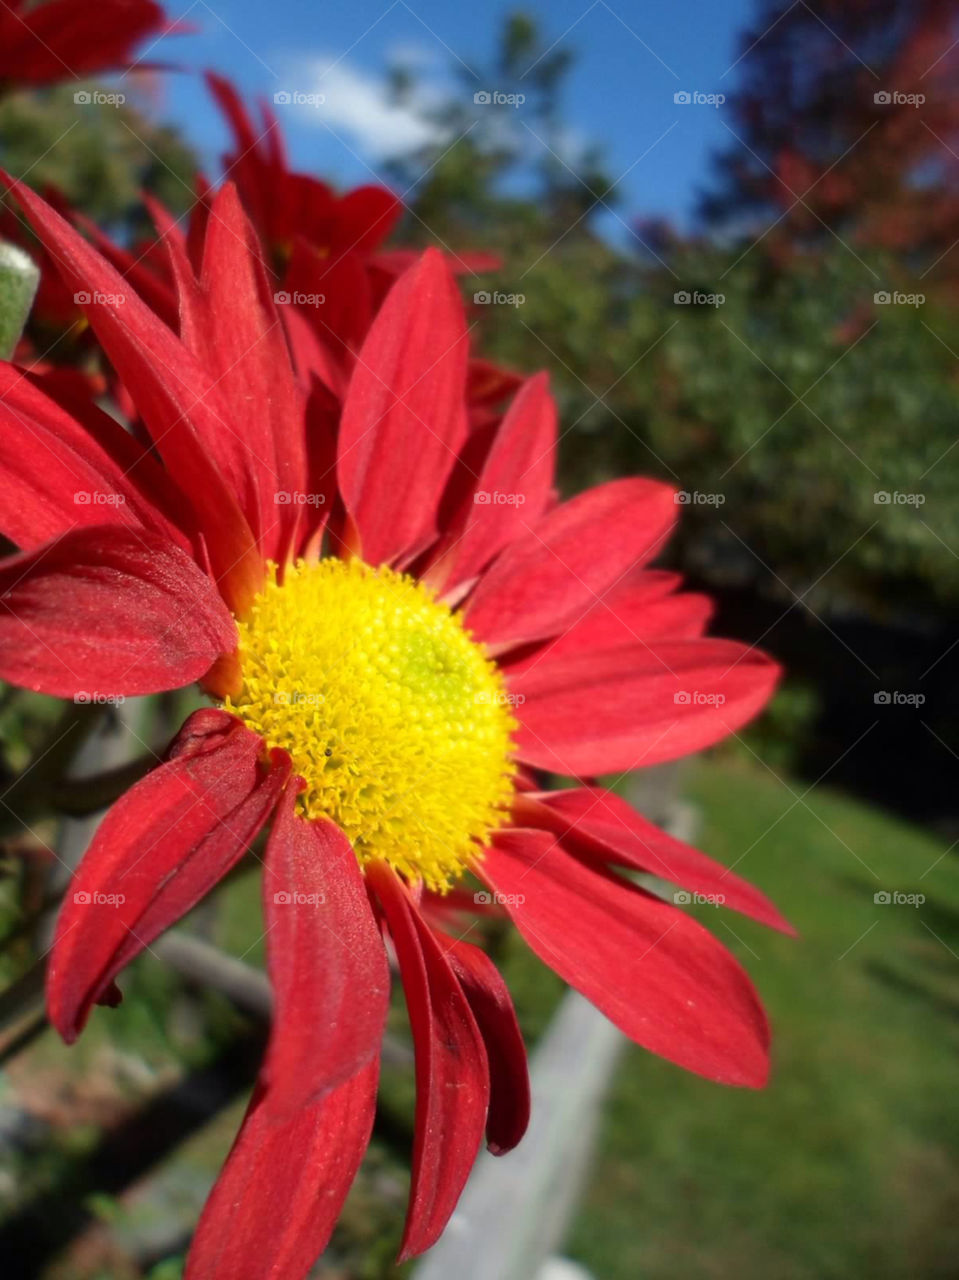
396 719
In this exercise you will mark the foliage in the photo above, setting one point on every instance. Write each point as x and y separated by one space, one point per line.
99 157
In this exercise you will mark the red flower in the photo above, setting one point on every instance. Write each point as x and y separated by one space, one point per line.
66 39
321 244
394 660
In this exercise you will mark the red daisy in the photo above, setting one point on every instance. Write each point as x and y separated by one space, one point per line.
394 660
65 39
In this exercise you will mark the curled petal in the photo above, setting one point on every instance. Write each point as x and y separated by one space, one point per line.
452 1077
109 610
157 852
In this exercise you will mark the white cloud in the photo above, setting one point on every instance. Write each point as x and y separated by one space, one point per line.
355 102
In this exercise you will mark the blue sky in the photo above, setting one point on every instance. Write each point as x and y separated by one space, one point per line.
631 60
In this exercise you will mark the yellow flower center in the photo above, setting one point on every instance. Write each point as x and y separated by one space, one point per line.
396 719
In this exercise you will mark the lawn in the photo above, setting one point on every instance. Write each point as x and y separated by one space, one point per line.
846 1166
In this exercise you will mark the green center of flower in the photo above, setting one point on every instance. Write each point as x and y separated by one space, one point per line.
396 719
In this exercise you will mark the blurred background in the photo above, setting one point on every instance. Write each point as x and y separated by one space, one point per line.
731 234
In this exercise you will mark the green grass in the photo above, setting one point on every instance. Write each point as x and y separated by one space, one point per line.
846 1166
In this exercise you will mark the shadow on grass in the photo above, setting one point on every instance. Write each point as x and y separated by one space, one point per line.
31 1240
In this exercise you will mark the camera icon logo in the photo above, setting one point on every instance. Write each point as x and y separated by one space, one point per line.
681 698
282 298
882 98
682 498
882 898
282 498
682 98
682 898
483 297
282 899
483 98
882 699
283 98
683 298
482 498
882 298
882 498
82 299
82 899
82 98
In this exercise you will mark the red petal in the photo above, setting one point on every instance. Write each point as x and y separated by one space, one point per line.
137 264
170 388
326 960
343 319
452 1078
661 977
363 218
587 714
64 40
622 620
245 136
404 418
492 1007
107 610
553 575
599 824
511 491
276 1202
259 440
59 473
159 849
314 357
